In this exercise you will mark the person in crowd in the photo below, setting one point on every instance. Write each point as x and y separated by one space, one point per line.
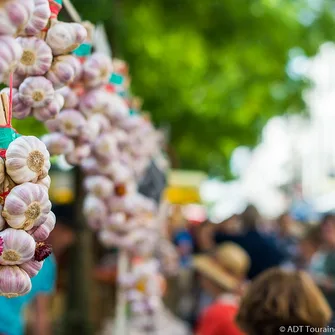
307 249
279 300
222 275
12 320
261 247
286 240
203 240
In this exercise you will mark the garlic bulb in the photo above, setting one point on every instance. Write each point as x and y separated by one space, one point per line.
51 110
117 221
2 224
94 102
27 159
95 210
91 131
10 54
14 15
100 186
64 37
105 147
58 143
41 233
14 282
2 171
17 79
27 206
63 70
36 57
118 109
90 166
80 152
36 91
39 19
71 100
97 70
52 125
46 182
110 239
20 110
71 122
19 247
32 267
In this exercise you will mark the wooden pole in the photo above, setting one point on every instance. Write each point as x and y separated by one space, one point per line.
77 314
121 301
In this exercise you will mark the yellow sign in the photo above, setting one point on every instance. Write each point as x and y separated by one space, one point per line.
182 195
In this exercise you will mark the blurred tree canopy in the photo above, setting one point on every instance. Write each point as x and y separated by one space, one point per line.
214 71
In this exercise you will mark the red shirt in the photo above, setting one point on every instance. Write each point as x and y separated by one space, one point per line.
219 319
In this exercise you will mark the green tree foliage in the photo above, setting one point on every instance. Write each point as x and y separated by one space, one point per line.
213 70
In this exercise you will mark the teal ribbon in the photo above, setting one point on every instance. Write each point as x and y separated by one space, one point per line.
7 136
116 79
59 1
83 50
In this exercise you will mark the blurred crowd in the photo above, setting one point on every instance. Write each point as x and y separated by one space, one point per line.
247 275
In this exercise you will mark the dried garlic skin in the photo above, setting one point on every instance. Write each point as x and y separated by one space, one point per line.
18 247
15 281
27 206
27 160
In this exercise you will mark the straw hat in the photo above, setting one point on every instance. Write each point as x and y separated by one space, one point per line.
227 267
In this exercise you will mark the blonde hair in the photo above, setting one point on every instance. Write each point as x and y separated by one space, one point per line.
282 298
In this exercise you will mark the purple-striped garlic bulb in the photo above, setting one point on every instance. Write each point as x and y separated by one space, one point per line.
26 206
17 79
45 182
52 125
71 122
105 147
90 166
71 99
58 143
10 54
51 110
117 108
39 18
95 211
36 92
14 281
63 70
18 247
32 267
27 159
64 37
42 232
100 186
36 57
92 130
14 15
80 152
97 70
94 102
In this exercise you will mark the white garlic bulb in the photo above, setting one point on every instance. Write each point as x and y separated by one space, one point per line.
58 143
91 131
14 282
36 92
26 206
106 147
51 110
117 108
41 233
95 210
36 57
63 71
2 171
46 182
10 54
32 267
71 122
100 186
39 19
27 159
71 99
97 70
64 37
18 247
79 154
14 15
